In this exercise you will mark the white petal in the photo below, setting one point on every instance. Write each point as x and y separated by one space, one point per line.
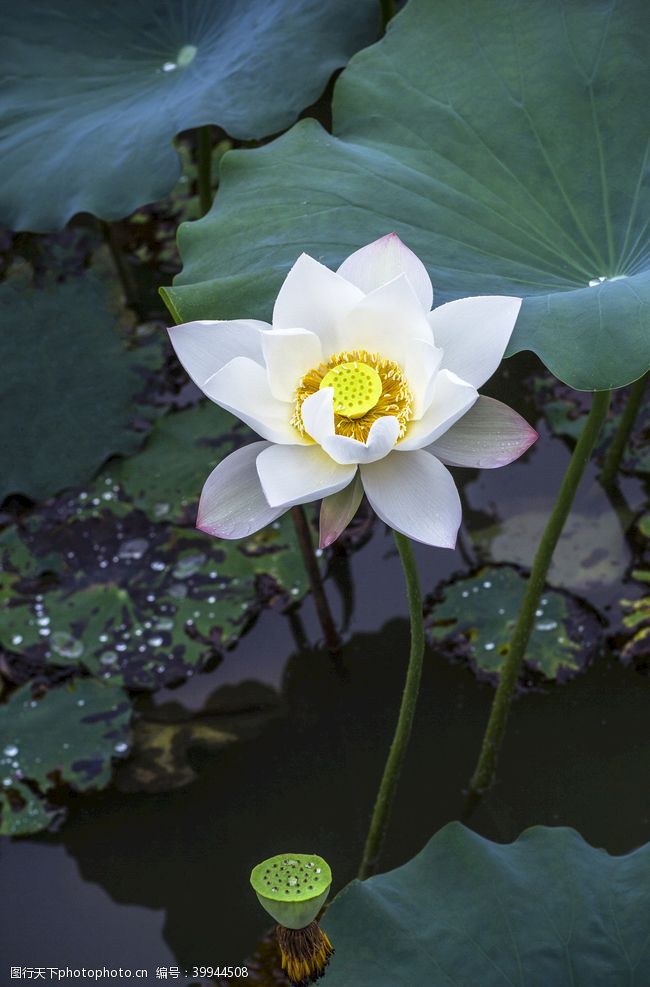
451 399
421 366
317 412
243 388
315 298
381 439
232 503
491 434
289 354
205 347
338 510
386 321
381 261
416 495
474 333
297 474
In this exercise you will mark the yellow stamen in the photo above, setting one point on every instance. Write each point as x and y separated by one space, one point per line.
366 387
305 953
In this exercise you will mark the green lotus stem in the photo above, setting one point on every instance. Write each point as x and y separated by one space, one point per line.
330 633
617 446
204 167
121 265
485 768
395 759
387 12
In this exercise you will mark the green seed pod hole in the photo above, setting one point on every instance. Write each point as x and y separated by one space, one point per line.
292 877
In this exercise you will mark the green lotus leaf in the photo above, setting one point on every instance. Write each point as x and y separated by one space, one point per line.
136 603
506 145
476 615
95 92
546 909
70 385
70 735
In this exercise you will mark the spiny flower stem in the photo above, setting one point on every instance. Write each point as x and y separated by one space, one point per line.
617 446
393 767
330 633
486 766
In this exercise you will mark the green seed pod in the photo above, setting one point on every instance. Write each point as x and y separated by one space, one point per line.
292 887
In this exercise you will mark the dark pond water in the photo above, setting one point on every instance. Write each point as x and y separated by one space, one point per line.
161 879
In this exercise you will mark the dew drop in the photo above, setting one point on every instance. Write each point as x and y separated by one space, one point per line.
134 548
121 747
10 750
66 645
188 566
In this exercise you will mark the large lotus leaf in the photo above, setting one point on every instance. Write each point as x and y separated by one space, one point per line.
95 92
69 384
506 144
71 734
475 616
545 910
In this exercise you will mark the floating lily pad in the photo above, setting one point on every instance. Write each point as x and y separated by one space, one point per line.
70 384
167 476
566 410
68 736
476 615
137 603
636 612
505 144
546 909
97 91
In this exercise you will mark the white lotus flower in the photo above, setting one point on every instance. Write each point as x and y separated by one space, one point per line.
356 387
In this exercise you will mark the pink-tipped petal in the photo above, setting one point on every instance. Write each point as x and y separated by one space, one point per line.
205 347
451 399
298 474
381 261
313 297
474 333
415 494
489 435
338 510
232 503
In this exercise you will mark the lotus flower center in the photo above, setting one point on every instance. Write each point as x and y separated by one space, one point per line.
366 387
357 388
